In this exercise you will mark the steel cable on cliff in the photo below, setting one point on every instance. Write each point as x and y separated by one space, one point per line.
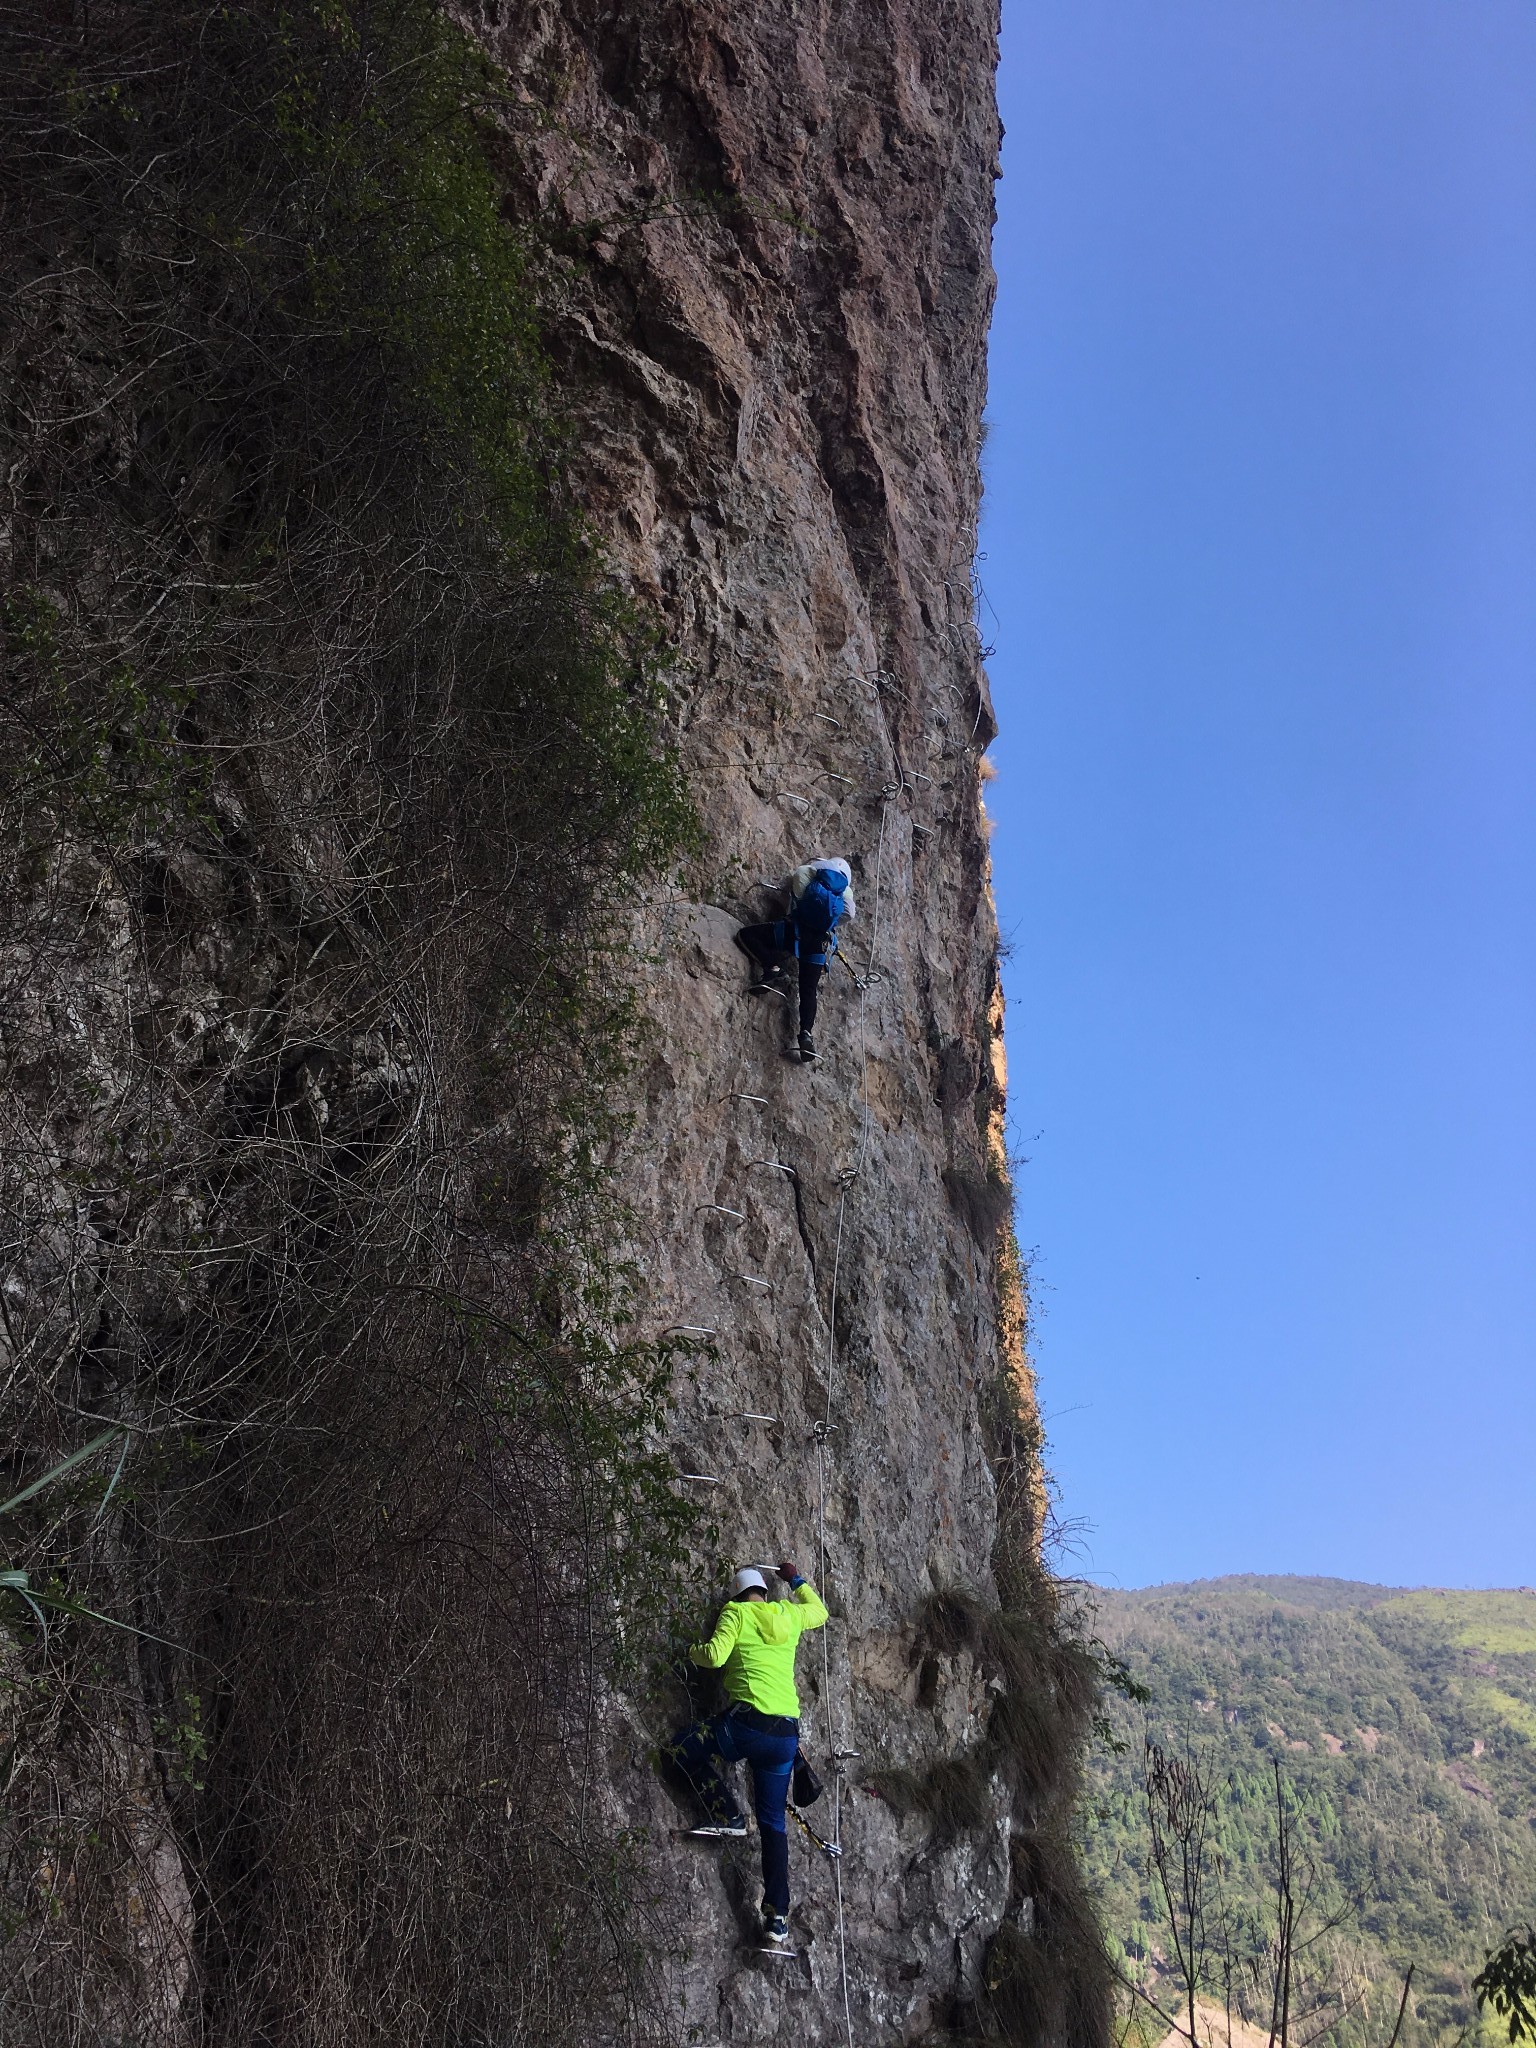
848 1178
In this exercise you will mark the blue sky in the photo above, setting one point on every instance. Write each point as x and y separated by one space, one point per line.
1260 571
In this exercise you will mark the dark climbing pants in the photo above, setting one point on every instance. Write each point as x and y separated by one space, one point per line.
774 946
741 1736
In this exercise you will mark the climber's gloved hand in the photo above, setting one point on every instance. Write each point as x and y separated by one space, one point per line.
789 1571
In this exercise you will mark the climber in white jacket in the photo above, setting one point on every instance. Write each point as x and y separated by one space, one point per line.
820 897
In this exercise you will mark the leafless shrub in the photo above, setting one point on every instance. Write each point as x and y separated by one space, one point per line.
1288 1973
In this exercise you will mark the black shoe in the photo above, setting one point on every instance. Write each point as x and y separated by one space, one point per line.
807 1046
775 1927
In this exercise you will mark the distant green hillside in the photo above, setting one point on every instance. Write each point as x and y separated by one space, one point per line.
1406 1722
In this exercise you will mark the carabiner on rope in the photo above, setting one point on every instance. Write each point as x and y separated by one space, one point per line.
831 1850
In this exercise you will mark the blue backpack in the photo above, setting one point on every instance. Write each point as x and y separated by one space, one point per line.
816 913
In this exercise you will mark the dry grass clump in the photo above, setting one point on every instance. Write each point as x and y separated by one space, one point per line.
956 1793
1047 1980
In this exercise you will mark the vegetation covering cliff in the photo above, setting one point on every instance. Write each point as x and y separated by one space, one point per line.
1405 1726
479 499
328 766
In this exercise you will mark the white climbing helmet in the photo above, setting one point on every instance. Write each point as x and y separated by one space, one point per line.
745 1580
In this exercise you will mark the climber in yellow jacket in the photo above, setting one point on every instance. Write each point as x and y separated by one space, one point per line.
753 1648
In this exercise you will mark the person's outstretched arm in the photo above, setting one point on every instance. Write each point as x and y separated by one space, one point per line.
805 1596
720 1645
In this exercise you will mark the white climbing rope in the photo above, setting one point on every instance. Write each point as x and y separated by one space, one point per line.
848 1177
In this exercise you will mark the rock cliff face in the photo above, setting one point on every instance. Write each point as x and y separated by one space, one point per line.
297 1071
772 346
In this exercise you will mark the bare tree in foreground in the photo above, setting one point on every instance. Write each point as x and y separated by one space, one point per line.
1294 1975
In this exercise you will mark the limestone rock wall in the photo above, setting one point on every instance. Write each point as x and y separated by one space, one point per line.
774 220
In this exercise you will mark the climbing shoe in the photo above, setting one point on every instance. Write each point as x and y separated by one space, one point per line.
718 1831
775 1927
807 1046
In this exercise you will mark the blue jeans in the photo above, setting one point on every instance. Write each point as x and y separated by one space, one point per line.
732 1738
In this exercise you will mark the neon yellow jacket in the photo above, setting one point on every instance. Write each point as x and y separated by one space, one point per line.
753 1648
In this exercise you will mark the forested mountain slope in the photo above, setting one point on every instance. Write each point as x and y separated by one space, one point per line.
1404 1721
